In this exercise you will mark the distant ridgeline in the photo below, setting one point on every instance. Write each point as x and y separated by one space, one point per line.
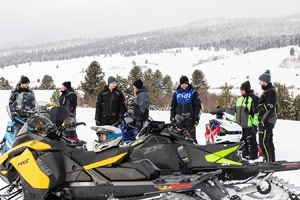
247 35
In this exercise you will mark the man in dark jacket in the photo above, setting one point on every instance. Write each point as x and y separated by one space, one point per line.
110 106
141 104
267 108
21 99
68 98
246 115
186 103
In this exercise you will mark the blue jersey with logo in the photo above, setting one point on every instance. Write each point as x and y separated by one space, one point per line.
184 101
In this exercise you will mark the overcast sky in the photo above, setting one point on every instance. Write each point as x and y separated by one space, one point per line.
37 21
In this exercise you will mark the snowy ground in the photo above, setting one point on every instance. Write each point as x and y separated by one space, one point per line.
286 132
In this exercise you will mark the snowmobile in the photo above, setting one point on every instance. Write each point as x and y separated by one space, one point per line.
222 129
171 150
43 164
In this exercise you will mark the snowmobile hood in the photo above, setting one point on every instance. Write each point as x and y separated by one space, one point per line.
33 144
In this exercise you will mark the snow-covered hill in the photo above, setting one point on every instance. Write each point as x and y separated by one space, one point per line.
229 67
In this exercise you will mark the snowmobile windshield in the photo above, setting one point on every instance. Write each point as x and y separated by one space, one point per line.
24 101
39 123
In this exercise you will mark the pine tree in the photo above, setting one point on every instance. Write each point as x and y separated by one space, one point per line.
148 77
47 83
285 102
157 81
168 84
198 80
55 97
123 84
292 51
296 108
225 99
4 84
134 74
93 81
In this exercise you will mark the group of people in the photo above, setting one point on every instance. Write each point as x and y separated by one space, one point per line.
252 113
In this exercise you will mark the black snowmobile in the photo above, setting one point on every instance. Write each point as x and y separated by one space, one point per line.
43 164
171 150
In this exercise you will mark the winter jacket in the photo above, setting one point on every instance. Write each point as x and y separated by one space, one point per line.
21 99
268 105
246 114
68 98
184 102
141 105
110 104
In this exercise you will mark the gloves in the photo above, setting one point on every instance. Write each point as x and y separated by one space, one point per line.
172 120
196 123
254 129
98 123
120 121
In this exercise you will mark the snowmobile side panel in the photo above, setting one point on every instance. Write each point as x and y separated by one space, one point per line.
104 162
33 144
121 174
89 158
28 168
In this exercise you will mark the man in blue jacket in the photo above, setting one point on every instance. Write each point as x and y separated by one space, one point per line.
186 103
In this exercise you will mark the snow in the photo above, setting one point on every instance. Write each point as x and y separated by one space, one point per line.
233 69
286 133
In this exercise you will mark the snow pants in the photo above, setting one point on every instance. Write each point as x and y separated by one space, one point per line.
189 126
266 142
250 149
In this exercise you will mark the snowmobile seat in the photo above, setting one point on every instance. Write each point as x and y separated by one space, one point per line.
91 159
58 114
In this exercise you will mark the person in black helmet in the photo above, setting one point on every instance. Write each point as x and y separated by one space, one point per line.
68 98
186 102
22 99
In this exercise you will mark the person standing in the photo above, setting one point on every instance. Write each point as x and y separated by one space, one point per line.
68 98
22 99
267 108
141 104
110 106
246 115
186 103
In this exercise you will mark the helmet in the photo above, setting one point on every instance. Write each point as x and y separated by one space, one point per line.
108 136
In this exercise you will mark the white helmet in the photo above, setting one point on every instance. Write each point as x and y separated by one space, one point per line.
108 136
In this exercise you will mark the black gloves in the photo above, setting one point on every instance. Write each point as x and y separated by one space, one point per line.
98 123
254 129
120 121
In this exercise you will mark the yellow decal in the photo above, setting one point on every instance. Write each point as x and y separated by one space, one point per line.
163 187
104 162
33 144
4 172
26 165
136 142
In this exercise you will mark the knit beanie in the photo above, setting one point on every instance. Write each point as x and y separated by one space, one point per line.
138 83
67 84
184 79
246 86
111 79
25 80
265 77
